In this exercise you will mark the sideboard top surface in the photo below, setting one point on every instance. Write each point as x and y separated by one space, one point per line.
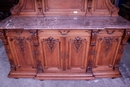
64 22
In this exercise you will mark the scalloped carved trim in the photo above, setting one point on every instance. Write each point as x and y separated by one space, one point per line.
112 8
17 8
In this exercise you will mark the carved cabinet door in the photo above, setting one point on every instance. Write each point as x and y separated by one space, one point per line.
77 48
22 50
107 48
51 53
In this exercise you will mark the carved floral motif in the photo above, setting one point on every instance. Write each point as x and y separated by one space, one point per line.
21 44
108 42
77 43
51 42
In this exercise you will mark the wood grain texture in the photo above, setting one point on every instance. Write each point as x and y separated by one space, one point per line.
65 7
64 54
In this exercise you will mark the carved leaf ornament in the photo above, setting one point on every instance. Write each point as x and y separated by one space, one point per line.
51 43
77 43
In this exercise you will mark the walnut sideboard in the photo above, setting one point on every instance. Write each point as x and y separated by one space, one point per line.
64 42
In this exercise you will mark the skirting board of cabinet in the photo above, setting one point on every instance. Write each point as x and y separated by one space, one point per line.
22 74
106 73
65 76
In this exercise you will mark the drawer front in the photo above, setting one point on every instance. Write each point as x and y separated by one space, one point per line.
20 32
111 32
64 32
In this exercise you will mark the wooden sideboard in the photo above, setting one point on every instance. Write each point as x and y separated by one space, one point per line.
64 40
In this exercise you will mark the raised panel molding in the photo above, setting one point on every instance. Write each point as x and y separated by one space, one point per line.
64 54
65 7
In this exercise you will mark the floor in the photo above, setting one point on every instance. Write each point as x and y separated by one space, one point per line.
105 82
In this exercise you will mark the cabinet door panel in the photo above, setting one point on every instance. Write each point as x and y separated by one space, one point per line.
77 51
107 50
51 52
22 51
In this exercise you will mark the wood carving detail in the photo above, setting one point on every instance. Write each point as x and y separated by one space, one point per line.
21 44
17 8
89 6
77 43
39 67
89 68
3 38
94 37
39 3
51 42
12 66
109 42
126 37
117 64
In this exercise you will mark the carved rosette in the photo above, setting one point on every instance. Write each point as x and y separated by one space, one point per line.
77 43
51 43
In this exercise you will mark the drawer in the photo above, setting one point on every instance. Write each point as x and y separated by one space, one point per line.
20 32
111 32
64 32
